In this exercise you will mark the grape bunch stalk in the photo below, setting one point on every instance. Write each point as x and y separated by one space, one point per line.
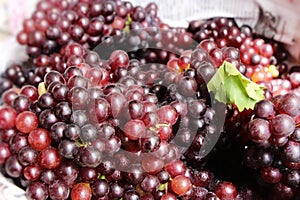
114 104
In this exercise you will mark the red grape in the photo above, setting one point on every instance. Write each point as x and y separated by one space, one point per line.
49 158
81 191
7 117
26 122
181 184
39 139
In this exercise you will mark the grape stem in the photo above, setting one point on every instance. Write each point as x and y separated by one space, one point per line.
81 144
158 126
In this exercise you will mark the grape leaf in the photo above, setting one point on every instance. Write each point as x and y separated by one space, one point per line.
230 86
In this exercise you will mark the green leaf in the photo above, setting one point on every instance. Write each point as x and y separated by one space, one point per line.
230 86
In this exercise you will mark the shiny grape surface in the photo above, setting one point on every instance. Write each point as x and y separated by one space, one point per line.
112 104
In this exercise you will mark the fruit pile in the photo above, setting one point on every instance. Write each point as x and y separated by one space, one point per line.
114 104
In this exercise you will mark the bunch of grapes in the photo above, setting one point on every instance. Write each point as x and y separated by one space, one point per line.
113 104
54 24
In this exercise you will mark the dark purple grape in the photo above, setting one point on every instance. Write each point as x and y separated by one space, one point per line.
87 174
21 103
100 188
59 191
47 118
289 104
67 172
68 149
89 157
78 97
37 190
291 152
282 125
264 109
53 76
259 130
63 111
79 117
27 156
13 167
46 101
88 133
150 183
116 190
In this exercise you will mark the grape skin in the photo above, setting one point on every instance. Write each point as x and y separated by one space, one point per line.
40 37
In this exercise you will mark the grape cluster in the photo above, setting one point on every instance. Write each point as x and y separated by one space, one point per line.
113 104
274 152
73 127
264 61
55 24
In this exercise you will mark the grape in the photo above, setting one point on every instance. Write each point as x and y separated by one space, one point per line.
78 97
175 168
88 133
168 196
79 118
117 102
196 108
72 131
58 190
5 153
8 96
67 172
152 165
289 105
134 129
18 142
271 175
68 149
144 111
226 190
27 156
89 157
282 125
37 190
39 139
100 188
7 117
149 143
32 172
202 178
53 76
47 118
26 122
292 178
13 167
150 183
181 185
291 152
259 130
63 111
118 59
48 177
59 92
116 191
30 91
187 86
264 109
99 109
281 191
167 114
81 191
46 101
49 158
